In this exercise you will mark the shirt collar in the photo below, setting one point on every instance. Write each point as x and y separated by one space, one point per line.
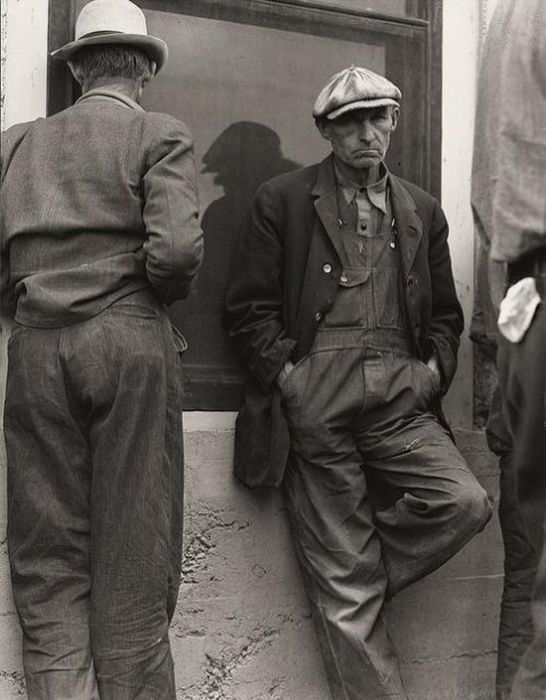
376 192
112 96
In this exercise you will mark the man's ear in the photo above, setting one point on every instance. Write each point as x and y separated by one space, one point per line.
73 70
325 129
395 114
153 66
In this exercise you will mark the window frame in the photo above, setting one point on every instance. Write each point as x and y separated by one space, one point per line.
207 390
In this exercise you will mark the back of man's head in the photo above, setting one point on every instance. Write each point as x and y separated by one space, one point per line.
103 63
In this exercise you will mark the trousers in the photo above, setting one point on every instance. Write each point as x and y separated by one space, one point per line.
522 382
378 496
95 502
520 557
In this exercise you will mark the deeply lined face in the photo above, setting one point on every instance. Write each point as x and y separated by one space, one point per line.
360 138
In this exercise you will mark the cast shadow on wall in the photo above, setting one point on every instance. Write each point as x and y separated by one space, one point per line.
243 157
240 159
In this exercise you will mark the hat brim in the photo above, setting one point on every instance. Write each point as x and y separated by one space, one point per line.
361 104
156 48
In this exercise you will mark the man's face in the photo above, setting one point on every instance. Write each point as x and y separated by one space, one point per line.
360 138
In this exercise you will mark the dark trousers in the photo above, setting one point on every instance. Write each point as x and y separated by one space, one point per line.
378 497
522 382
520 569
520 558
95 484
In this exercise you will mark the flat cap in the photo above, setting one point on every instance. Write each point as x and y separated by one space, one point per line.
355 88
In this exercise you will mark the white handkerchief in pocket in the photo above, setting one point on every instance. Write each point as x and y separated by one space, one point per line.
517 309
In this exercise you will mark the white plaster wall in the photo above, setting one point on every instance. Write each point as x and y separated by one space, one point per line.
24 42
461 31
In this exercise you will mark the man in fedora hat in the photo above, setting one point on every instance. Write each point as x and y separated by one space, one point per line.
343 307
99 233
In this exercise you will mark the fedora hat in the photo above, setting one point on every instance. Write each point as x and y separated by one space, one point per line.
114 22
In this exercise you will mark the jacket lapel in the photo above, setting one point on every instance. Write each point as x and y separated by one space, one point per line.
326 206
409 225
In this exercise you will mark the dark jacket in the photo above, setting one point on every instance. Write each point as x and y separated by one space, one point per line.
280 288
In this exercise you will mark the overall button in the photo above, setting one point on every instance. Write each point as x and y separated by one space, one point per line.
318 316
327 268
344 278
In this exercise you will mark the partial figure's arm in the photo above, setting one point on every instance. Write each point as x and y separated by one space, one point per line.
174 246
254 298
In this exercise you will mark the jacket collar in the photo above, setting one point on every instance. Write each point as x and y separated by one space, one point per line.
110 96
408 225
325 195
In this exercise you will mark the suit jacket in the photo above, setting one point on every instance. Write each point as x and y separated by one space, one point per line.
96 202
284 278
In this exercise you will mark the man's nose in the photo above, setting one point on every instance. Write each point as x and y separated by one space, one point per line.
365 131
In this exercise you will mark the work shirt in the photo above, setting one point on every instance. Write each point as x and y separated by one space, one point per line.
370 200
97 202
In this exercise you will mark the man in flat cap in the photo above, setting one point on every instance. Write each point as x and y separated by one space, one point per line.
343 307
99 233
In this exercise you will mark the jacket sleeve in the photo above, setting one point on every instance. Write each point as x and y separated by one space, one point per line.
254 297
447 321
174 245
10 140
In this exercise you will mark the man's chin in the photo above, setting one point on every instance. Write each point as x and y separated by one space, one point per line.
366 162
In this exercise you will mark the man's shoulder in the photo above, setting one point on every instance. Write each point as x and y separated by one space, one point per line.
419 195
167 124
10 141
427 207
299 181
14 134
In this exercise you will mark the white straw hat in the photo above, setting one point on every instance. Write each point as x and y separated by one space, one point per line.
114 22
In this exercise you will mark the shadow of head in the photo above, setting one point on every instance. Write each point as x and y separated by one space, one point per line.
244 156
